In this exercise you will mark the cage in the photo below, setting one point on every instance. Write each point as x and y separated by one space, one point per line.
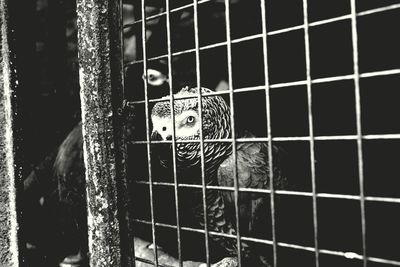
286 157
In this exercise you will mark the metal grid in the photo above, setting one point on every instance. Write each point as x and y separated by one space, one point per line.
12 175
267 87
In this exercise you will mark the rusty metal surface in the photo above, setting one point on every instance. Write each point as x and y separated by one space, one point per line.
101 93
10 171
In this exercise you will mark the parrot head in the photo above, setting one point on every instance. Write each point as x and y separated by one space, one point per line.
215 120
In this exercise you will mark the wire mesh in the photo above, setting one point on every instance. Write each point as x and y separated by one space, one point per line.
203 178
268 86
311 128
148 135
359 133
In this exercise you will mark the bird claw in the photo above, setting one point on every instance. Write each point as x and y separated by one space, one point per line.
226 262
72 260
152 247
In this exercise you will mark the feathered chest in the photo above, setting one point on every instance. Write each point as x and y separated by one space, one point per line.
188 155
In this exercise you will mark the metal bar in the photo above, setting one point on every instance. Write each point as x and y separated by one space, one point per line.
378 10
101 79
335 19
202 231
176 97
282 139
379 73
280 192
146 98
345 254
311 24
171 92
275 32
330 20
233 132
298 27
333 79
151 262
359 129
311 130
10 157
206 47
284 30
384 261
286 84
200 105
269 131
250 89
165 13
125 206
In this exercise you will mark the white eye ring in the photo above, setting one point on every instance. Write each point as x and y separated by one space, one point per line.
190 119
154 77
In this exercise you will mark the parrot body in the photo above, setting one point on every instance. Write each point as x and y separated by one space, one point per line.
252 172
60 181
67 175
251 163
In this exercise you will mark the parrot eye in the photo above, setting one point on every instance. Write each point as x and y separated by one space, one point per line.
190 119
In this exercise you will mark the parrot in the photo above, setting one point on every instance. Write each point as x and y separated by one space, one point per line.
59 181
219 163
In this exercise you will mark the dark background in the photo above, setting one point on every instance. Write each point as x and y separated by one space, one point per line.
49 90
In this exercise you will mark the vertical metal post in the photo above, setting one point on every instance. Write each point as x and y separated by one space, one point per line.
148 131
269 130
172 101
202 159
311 129
231 99
10 165
101 82
354 38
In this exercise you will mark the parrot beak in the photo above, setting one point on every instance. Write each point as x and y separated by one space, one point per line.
155 136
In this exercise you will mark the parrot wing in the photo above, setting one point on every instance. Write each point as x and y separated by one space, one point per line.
62 164
69 169
252 172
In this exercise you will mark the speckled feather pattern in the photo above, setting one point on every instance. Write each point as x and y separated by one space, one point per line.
216 125
252 167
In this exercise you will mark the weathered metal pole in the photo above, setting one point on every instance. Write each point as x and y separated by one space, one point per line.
10 165
101 82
